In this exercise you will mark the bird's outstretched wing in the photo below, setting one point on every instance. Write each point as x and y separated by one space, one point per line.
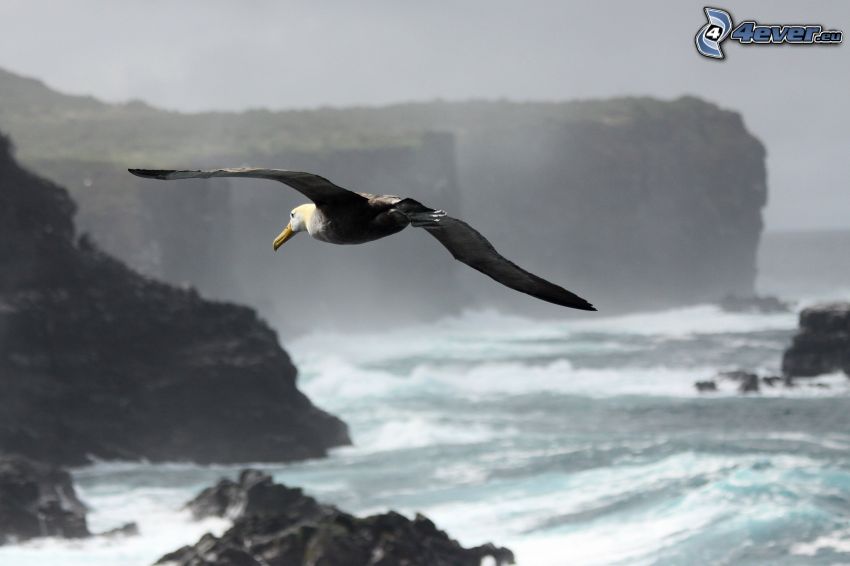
473 249
316 188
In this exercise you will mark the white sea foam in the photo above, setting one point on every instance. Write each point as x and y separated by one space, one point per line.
838 541
163 528
700 319
639 532
486 353
490 335
398 391
636 534
335 384
419 431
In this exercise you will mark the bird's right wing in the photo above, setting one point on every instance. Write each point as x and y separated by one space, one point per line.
473 249
316 188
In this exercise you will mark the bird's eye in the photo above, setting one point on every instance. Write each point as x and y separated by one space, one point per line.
292 215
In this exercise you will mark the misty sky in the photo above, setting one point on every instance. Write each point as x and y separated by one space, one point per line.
212 54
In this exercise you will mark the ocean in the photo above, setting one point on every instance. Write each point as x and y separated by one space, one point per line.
575 441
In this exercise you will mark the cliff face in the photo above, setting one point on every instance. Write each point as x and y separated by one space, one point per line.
633 202
96 360
658 204
216 234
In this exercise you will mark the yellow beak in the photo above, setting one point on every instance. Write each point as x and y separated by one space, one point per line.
283 237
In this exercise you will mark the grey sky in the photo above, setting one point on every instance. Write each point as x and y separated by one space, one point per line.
215 54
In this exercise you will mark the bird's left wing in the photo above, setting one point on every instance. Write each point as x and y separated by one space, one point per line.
473 249
316 188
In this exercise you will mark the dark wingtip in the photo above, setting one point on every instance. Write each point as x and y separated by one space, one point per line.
578 303
151 173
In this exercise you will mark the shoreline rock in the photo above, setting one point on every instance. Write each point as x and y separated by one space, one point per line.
97 360
747 382
822 343
275 524
38 500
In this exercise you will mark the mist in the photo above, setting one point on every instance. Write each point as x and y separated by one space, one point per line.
200 55
667 383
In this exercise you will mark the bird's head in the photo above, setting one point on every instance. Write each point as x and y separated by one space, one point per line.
299 219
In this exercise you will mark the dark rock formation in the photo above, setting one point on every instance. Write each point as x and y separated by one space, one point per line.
255 494
706 386
130 529
636 202
774 380
37 500
646 203
278 525
763 305
822 343
98 360
749 383
745 381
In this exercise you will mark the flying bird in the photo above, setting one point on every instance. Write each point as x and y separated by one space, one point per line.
340 216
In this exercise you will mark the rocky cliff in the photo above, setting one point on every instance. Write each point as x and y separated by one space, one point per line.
634 202
96 360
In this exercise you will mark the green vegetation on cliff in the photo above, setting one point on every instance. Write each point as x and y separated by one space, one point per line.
644 202
46 124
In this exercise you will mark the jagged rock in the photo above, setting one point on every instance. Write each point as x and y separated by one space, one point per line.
130 529
773 380
754 303
37 500
747 382
822 343
254 494
98 360
274 524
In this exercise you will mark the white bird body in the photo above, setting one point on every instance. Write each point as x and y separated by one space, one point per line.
308 217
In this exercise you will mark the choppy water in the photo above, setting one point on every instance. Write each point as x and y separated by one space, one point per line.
573 442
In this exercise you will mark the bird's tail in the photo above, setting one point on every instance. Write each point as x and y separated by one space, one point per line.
419 214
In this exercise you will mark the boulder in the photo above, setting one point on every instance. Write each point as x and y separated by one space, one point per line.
822 342
130 529
38 500
747 382
254 494
274 524
97 360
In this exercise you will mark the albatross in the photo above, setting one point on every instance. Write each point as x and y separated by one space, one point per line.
340 216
